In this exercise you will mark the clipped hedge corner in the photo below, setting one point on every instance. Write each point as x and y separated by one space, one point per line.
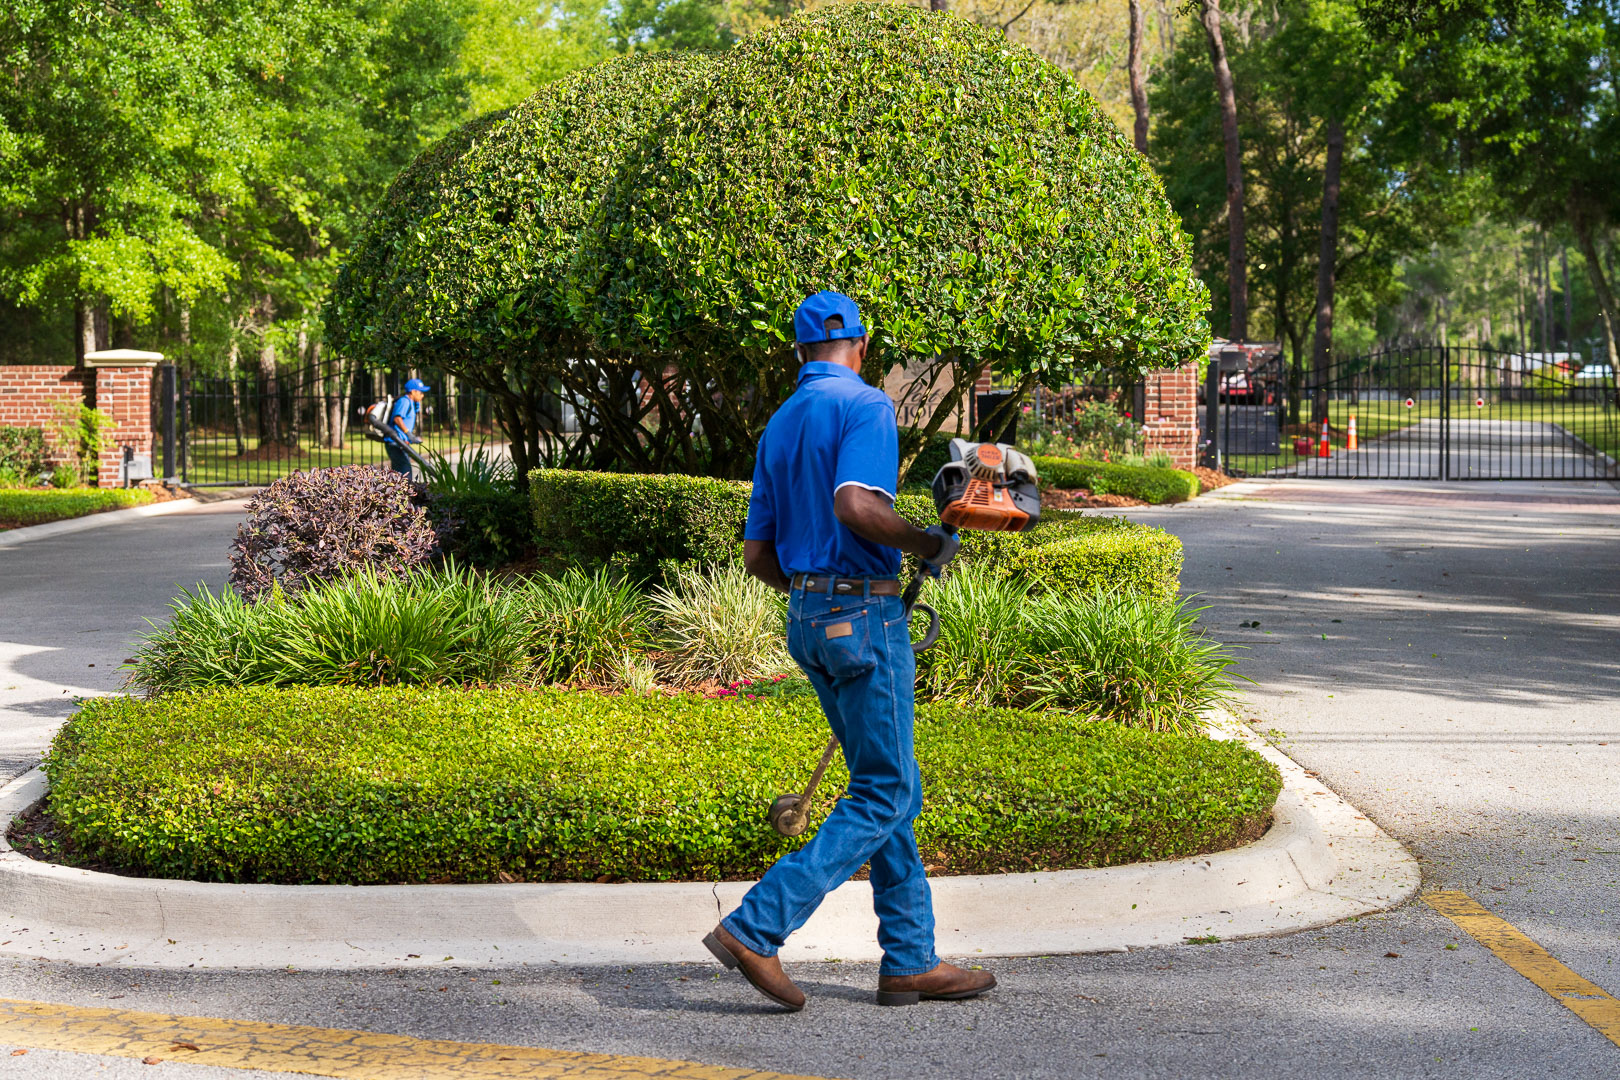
338 785
1147 482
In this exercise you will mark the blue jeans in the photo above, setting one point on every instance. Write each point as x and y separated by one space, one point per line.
856 651
399 459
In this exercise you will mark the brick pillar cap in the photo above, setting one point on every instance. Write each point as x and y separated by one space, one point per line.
122 358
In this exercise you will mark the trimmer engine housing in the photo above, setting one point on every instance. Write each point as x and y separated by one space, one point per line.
989 487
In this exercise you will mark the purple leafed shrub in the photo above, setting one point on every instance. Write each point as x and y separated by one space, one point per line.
322 524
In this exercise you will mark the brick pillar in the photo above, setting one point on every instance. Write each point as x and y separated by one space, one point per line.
124 396
1171 416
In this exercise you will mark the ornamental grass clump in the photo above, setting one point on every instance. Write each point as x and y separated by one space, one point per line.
981 636
1112 655
1120 656
586 628
720 624
327 523
444 626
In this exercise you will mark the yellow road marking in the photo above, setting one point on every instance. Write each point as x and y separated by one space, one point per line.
351 1055
1586 1000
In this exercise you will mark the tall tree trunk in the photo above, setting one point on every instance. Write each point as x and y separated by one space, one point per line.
337 405
1518 294
85 324
1237 269
1543 298
1326 264
269 384
1569 298
231 376
1608 313
316 384
1134 64
297 391
90 328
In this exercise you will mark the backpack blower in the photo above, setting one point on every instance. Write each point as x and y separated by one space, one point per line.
987 487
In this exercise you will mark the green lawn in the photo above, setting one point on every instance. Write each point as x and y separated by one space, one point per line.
214 458
35 506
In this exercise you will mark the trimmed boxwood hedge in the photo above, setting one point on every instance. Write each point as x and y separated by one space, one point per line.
1148 482
1083 554
632 522
337 785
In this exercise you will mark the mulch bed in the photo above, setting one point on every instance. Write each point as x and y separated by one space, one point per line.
35 834
1083 499
1210 479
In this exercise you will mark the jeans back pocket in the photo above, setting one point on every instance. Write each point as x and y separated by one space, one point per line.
841 642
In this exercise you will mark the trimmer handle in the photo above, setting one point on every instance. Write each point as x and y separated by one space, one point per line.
909 600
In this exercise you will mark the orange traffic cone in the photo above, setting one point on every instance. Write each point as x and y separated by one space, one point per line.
1350 441
1322 448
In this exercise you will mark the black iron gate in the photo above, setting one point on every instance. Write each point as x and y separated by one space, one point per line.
246 432
1429 412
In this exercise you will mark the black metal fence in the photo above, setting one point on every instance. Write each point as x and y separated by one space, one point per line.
1428 412
250 431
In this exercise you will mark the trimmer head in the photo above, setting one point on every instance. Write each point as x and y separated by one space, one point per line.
990 487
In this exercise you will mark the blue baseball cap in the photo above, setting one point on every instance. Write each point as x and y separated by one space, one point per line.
810 321
416 384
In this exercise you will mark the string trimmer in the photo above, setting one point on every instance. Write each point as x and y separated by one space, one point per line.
987 487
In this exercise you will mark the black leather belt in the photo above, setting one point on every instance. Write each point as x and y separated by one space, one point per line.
844 586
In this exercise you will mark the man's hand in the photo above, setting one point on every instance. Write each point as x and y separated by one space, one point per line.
949 545
759 559
869 515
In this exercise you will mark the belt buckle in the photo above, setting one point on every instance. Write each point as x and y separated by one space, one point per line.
842 585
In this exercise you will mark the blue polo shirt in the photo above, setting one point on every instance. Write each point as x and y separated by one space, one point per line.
406 410
833 431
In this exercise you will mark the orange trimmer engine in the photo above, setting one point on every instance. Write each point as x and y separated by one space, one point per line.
990 487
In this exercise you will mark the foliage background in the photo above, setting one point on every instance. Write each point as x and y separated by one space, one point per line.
187 175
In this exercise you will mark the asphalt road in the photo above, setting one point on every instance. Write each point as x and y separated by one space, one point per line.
72 608
1444 656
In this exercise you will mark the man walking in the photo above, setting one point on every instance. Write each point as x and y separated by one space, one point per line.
822 528
402 424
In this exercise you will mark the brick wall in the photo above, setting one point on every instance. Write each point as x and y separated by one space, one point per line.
32 395
1170 417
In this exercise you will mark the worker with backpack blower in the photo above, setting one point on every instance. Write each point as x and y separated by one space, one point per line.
822 528
402 425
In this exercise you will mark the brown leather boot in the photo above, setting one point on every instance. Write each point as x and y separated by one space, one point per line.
764 972
946 982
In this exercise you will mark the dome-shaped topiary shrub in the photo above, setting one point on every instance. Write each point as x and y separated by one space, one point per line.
968 194
633 239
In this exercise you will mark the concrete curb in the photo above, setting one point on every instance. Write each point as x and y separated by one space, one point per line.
1320 862
13 537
